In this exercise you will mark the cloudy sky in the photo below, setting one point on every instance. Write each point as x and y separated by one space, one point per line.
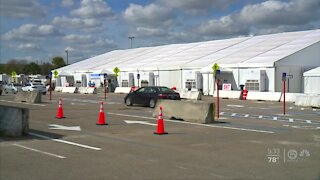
37 30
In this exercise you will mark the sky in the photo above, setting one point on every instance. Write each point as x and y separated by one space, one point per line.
38 30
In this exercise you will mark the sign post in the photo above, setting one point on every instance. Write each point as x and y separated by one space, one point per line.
105 85
284 76
216 73
138 77
50 85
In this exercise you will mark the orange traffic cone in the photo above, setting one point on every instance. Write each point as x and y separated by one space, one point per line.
102 117
160 127
60 110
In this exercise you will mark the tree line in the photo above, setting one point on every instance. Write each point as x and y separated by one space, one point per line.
23 67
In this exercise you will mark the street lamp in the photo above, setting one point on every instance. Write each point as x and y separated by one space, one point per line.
67 51
131 38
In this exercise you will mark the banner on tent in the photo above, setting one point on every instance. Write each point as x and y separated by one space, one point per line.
94 76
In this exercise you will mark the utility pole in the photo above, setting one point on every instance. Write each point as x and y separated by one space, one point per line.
131 39
67 51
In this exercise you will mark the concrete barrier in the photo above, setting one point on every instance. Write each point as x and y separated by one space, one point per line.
191 111
228 94
122 90
184 94
28 96
69 89
87 90
264 96
308 100
14 121
58 89
291 97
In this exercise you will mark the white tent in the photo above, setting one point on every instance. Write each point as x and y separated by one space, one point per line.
312 81
260 58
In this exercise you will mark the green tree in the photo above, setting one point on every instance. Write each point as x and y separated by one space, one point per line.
32 68
13 65
58 62
46 68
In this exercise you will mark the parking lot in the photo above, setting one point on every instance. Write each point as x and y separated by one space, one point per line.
250 140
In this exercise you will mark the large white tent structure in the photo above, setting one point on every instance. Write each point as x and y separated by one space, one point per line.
312 81
256 61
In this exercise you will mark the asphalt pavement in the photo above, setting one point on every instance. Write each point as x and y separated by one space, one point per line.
250 140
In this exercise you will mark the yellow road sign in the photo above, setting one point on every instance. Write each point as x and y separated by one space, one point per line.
215 67
116 70
55 73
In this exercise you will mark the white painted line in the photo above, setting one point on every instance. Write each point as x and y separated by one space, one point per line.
308 121
140 122
205 125
291 120
221 113
247 115
233 114
290 107
260 117
42 152
302 109
233 105
275 118
60 127
23 103
66 142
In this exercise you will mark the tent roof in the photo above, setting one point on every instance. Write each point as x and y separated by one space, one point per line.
255 51
312 72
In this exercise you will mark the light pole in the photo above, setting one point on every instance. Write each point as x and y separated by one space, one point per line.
67 51
131 38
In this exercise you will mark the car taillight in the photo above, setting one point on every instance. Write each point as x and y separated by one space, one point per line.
163 96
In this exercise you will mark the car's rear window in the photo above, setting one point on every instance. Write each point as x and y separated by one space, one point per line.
37 84
165 90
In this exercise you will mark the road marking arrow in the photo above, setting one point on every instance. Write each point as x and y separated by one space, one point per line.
68 128
140 122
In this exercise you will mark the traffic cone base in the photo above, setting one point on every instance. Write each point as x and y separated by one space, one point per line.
160 133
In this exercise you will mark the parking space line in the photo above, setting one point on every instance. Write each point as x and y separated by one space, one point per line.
205 125
22 103
42 152
64 141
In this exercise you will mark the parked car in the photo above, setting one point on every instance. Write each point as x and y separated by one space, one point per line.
149 95
12 87
35 86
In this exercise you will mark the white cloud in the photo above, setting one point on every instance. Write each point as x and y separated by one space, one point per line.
77 23
76 39
279 13
269 16
28 47
67 3
149 32
89 42
22 9
196 6
151 15
31 32
93 9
